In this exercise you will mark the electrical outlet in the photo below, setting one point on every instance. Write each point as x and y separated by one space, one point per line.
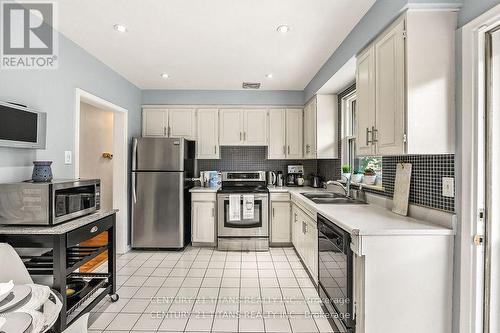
448 187
67 157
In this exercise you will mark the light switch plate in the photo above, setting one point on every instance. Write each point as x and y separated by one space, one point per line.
67 157
448 187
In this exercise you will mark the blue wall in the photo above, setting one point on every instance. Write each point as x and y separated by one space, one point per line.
275 97
53 92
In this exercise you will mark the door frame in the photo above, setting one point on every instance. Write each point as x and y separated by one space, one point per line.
470 161
120 160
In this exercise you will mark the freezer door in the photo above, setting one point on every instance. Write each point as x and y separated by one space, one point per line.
158 154
157 210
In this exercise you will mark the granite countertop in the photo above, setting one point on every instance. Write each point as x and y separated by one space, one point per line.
57 229
367 220
199 189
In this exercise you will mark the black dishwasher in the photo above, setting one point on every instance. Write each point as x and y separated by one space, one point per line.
336 271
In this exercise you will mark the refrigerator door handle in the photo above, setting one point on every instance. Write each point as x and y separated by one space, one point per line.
134 190
134 154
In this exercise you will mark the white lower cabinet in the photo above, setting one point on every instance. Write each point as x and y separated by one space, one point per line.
203 218
280 219
304 238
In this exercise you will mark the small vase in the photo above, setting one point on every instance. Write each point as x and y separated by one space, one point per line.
357 178
345 176
42 171
369 180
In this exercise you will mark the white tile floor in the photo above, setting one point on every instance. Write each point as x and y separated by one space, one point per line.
205 290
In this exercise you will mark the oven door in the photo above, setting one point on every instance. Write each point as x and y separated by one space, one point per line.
74 199
336 269
256 227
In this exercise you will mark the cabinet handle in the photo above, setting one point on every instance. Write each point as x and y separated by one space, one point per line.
240 136
164 130
284 149
215 149
273 212
213 212
288 149
374 136
368 132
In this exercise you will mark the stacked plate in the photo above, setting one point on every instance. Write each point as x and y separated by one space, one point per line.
14 296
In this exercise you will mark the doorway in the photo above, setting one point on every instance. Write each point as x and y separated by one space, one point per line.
101 151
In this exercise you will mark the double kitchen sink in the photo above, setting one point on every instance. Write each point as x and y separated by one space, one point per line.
331 198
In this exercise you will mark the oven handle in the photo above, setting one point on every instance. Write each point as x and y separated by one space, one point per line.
256 196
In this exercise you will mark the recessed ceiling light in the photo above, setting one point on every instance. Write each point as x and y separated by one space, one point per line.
269 76
120 28
283 29
164 76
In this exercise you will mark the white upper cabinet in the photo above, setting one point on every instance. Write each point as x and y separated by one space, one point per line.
405 87
230 127
173 123
321 128
388 135
285 134
255 127
294 134
207 146
182 123
154 122
277 134
365 101
243 127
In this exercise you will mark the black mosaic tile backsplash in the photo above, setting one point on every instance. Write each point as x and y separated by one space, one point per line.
245 158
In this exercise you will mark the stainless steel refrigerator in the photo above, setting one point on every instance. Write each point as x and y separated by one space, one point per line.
162 170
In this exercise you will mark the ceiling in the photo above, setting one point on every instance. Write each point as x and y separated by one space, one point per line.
211 44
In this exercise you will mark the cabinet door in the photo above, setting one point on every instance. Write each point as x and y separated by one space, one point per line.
277 134
389 92
203 222
294 134
280 222
365 101
181 123
312 233
154 122
255 127
230 127
310 130
295 224
207 146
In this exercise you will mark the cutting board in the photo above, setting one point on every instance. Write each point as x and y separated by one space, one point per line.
401 189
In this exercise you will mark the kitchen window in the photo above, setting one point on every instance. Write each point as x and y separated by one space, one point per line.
348 141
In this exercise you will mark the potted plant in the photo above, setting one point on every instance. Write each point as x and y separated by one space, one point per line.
357 177
369 177
346 172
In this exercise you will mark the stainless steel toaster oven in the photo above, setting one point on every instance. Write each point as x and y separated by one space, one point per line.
30 203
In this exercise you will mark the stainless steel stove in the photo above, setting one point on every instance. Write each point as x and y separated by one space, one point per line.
250 231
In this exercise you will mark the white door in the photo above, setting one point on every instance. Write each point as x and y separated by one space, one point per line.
365 101
203 222
294 134
280 222
277 134
389 92
154 122
255 127
207 146
230 127
181 123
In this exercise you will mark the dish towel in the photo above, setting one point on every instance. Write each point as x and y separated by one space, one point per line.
248 207
234 207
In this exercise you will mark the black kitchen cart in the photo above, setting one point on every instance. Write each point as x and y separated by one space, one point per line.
66 256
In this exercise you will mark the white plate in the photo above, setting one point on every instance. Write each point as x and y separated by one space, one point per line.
16 296
5 289
17 322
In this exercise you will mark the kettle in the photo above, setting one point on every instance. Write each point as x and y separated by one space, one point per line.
271 178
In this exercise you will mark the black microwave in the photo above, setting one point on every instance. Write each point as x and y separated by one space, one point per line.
30 203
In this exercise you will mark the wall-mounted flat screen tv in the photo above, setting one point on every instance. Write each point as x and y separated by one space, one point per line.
21 127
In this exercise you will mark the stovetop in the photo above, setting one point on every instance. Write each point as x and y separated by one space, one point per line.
243 189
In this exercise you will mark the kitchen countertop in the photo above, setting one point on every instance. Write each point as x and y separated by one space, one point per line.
366 220
57 229
199 189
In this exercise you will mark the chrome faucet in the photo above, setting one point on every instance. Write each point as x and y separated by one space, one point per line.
346 188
